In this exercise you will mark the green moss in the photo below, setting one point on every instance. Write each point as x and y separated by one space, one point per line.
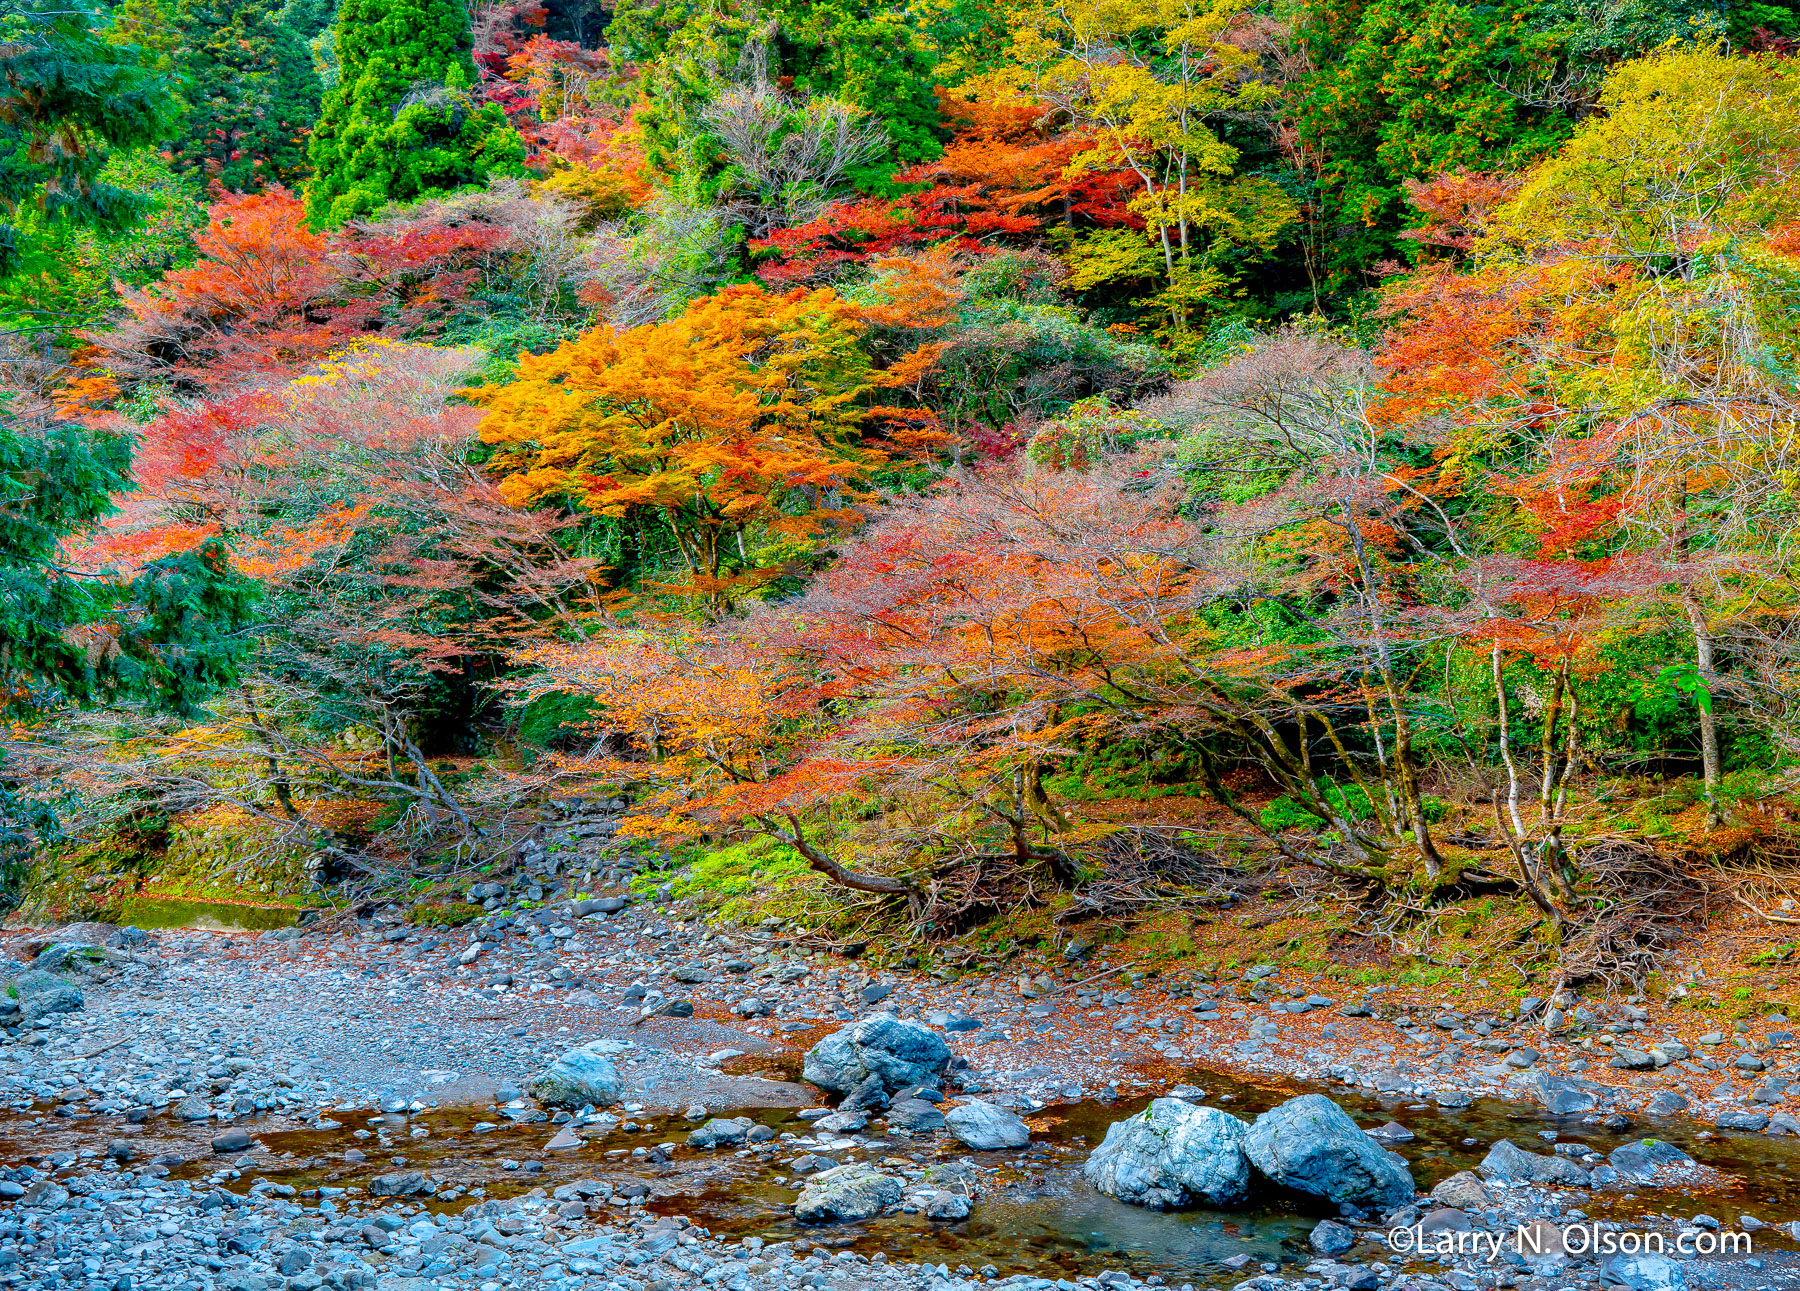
164 912
212 857
445 914
734 879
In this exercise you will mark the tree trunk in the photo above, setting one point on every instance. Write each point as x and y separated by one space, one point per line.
1706 663
1547 745
795 837
1513 825
278 780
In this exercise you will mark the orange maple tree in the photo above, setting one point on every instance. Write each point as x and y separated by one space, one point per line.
744 427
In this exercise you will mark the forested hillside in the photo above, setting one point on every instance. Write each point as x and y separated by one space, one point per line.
962 477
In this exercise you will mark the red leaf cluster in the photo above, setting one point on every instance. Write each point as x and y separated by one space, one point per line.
267 295
1002 178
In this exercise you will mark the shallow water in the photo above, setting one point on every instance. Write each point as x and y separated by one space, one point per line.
1037 1215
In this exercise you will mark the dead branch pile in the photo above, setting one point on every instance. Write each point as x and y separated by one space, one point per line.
1646 902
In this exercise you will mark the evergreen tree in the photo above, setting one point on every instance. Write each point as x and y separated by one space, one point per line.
401 122
251 93
307 19
168 638
1408 89
68 98
150 25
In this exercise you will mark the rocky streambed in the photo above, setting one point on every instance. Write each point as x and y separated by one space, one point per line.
205 1112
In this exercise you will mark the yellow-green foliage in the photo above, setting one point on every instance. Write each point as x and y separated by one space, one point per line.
224 856
736 878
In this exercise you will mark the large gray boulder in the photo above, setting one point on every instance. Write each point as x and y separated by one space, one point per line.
40 994
1311 1145
1510 1163
986 1128
849 1192
1651 1161
1170 1154
579 1077
901 1053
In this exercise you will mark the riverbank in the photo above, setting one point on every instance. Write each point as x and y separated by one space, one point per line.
384 1049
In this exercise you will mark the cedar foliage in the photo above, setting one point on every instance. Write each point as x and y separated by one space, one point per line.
251 92
68 100
402 122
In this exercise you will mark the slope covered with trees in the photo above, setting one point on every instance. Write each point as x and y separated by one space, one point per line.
978 466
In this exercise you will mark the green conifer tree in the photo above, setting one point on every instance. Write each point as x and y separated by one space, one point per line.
251 93
401 122
68 99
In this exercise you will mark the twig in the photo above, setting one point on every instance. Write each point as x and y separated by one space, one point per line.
1772 918
95 1053
1084 981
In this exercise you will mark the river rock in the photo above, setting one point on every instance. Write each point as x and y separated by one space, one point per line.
56 956
1462 1190
1445 1219
848 1192
1739 1119
231 1141
1650 1161
1171 1153
40 994
948 1205
401 1183
842 1123
579 1077
902 1053
870 1095
1644 1271
986 1128
914 1114
1331 1238
1311 1145
1563 1095
721 1132
1510 1163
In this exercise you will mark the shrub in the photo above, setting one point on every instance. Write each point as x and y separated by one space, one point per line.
400 123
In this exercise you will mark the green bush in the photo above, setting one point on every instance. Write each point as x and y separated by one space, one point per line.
736 877
1014 361
1285 814
1351 800
553 719
1088 431
401 123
